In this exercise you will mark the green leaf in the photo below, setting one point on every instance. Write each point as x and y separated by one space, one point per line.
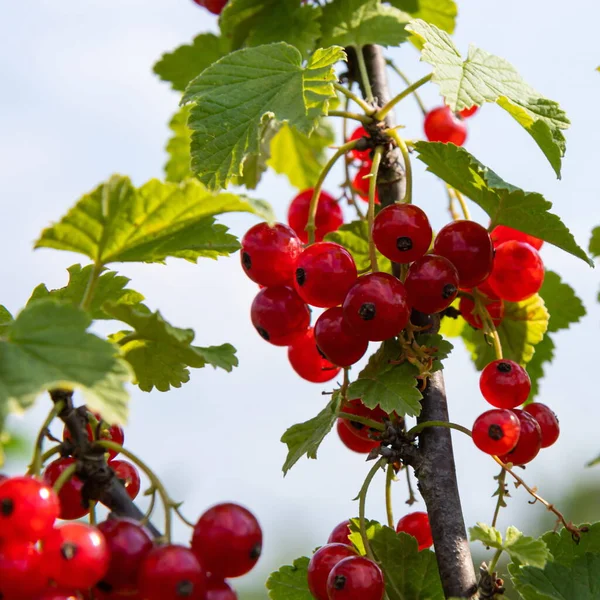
371 528
177 167
561 301
119 223
5 319
483 77
503 202
181 65
595 242
305 438
298 156
354 237
47 346
159 353
258 22
441 13
439 348
565 550
239 94
489 536
109 287
290 582
360 22
526 550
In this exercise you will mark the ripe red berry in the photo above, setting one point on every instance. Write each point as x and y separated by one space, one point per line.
22 572
171 572
71 501
269 254
279 315
321 564
518 271
352 441
54 594
495 309
129 476
28 509
530 440
361 182
467 245
214 6
502 233
486 290
128 544
227 540
308 362
114 433
431 284
547 421
219 590
442 125
77 555
324 273
336 340
340 533
465 113
356 407
329 215
504 384
402 232
417 525
362 155
496 431
376 307
356 578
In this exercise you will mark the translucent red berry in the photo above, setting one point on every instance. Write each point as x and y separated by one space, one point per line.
377 307
22 572
530 440
324 273
217 589
518 271
547 421
496 431
76 555
114 433
170 573
71 501
308 362
128 544
269 254
213 6
362 155
336 340
465 113
417 525
340 533
502 233
402 232
431 284
356 578
352 441
28 509
356 407
321 564
486 290
361 182
495 309
467 245
227 540
329 215
129 476
442 125
504 384
279 315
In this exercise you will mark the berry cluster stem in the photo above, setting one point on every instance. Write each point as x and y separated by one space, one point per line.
350 95
362 500
417 429
371 214
37 460
407 165
382 112
390 63
364 75
389 510
501 493
347 160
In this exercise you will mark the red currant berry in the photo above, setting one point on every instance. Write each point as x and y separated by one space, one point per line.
128 543
530 440
362 155
114 433
547 421
21 570
77 555
504 384
3 477
279 315
518 271
467 245
219 590
442 125
495 309
356 578
417 525
321 564
324 273
402 232
336 340
356 407
172 572
465 113
28 509
502 233
329 215
431 283
340 533
307 361
53 594
361 183
352 441
129 476
227 540
71 502
376 307
486 290
496 431
269 254
213 6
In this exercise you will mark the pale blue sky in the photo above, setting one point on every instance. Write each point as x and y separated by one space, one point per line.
80 102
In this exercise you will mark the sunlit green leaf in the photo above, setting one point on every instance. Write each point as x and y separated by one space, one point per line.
290 582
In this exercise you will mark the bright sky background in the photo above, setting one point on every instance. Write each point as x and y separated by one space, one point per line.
80 102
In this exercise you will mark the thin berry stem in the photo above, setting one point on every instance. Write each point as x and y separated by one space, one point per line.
37 460
407 164
88 295
495 560
390 63
382 112
389 510
501 495
362 420
362 499
463 204
356 99
417 429
452 204
350 115
150 510
348 183
412 498
371 213
182 518
92 516
364 75
489 329
65 476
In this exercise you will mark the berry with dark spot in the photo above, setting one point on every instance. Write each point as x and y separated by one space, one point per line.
504 383
356 578
336 340
321 564
530 440
431 284
496 431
